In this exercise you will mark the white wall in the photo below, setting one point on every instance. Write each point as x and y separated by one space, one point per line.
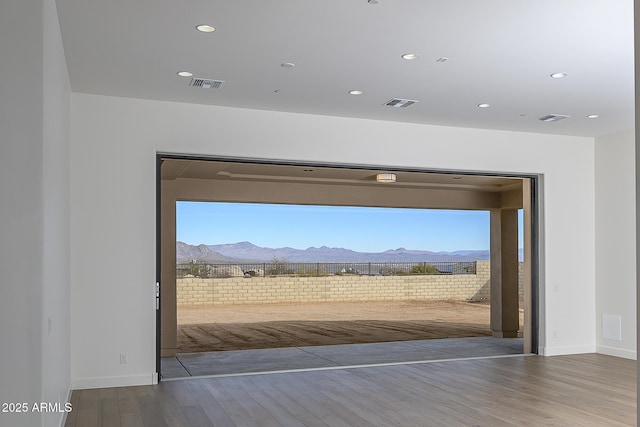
56 302
21 209
113 147
34 187
615 241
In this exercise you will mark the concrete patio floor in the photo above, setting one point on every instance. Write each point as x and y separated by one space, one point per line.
221 363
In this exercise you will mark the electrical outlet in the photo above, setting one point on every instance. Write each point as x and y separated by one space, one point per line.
123 359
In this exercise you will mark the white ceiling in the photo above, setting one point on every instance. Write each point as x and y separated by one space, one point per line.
500 52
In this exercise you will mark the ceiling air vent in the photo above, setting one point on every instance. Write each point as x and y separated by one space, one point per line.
397 102
553 117
206 83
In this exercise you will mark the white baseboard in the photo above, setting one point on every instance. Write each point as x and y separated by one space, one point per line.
562 351
106 382
618 352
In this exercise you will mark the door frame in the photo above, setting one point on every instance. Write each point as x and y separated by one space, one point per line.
532 291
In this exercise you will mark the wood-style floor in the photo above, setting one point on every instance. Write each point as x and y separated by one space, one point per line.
580 390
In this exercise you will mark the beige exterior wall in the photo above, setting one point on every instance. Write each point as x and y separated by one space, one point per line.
257 290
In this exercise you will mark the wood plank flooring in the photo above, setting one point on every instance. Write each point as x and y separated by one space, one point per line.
578 390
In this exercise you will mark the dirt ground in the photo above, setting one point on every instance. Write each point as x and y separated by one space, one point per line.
253 326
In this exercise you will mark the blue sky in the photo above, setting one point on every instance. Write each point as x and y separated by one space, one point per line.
357 228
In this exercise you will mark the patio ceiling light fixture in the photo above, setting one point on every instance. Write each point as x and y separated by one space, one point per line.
386 177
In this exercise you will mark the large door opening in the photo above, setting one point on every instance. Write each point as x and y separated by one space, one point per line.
237 181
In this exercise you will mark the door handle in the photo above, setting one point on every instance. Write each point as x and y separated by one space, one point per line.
157 295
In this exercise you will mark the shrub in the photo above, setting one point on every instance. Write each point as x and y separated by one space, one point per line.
424 268
392 271
278 267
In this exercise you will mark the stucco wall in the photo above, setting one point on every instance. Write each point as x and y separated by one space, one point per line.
34 213
615 244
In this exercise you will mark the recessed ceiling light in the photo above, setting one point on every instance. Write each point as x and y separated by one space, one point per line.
558 75
592 116
185 74
356 92
287 65
484 105
205 28
410 56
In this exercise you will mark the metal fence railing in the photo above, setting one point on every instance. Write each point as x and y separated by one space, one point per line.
315 269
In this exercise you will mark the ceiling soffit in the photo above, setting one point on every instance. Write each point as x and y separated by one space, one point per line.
272 183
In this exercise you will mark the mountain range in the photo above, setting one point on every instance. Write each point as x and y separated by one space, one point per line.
248 252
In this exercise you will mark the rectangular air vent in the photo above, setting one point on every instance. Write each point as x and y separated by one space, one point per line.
553 117
206 83
397 102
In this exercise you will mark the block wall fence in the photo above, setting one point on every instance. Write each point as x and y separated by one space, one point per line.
264 290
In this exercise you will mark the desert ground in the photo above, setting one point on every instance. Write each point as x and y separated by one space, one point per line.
254 326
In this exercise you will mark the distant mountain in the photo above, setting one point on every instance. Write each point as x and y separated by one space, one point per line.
475 254
248 252
188 253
